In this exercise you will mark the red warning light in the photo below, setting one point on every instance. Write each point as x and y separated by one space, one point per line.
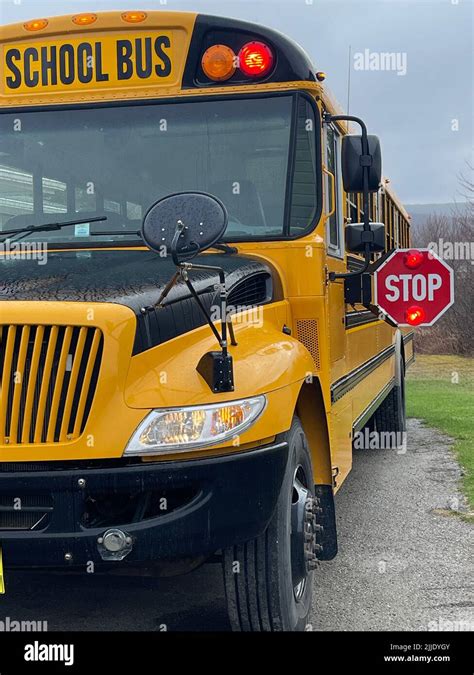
415 315
255 59
413 259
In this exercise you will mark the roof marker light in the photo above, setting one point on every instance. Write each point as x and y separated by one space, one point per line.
134 17
37 24
218 62
255 59
84 19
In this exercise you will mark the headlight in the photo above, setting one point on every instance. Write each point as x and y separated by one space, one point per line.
183 429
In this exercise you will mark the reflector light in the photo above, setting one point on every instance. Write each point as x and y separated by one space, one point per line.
413 259
255 59
84 19
38 24
218 62
415 315
134 17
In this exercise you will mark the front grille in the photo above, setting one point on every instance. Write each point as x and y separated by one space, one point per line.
48 378
31 512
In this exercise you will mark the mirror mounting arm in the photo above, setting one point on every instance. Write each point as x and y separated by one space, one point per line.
226 322
366 162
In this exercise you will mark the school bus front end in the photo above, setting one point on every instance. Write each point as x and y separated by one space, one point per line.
118 447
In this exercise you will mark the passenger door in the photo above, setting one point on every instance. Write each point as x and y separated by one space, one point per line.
334 243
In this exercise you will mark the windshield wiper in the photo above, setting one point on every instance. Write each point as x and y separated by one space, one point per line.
50 227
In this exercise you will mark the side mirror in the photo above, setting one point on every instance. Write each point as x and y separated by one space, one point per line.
357 237
184 224
353 161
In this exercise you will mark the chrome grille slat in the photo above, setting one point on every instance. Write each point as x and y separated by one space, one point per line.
48 377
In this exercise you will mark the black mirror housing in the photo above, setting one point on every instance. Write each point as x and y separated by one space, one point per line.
353 160
184 224
357 237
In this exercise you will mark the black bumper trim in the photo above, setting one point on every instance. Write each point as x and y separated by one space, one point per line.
235 496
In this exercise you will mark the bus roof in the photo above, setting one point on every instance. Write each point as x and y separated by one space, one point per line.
39 56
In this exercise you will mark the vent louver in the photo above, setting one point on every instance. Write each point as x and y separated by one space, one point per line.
254 290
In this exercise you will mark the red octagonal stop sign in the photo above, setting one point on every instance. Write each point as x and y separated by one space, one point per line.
414 287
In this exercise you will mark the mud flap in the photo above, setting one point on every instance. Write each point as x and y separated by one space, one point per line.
327 537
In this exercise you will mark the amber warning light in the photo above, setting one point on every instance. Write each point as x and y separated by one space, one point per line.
219 62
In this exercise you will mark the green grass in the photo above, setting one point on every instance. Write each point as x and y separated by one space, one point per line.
440 390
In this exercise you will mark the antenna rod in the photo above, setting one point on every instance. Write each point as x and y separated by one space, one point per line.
349 81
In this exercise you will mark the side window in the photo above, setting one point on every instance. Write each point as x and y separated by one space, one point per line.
352 212
334 233
304 196
396 234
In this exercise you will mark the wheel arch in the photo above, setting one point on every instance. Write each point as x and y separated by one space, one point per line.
311 411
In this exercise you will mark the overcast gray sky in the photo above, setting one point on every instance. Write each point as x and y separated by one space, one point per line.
424 117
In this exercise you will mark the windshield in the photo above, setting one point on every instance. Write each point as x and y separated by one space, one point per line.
117 161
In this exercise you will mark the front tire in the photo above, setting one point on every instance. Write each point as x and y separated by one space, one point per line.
268 581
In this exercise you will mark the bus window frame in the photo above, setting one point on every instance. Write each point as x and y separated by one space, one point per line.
333 250
295 93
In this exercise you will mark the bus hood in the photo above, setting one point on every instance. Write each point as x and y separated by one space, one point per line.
135 279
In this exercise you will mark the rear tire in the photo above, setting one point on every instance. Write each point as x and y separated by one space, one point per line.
268 581
391 415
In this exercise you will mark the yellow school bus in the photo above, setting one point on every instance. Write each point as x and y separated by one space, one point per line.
188 344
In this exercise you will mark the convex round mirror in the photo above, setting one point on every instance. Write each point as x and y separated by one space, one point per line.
184 224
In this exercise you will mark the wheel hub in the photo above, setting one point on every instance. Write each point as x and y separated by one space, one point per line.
304 530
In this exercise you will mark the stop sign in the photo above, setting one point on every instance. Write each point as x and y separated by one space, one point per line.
414 287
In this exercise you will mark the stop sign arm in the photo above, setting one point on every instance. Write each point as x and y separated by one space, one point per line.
358 289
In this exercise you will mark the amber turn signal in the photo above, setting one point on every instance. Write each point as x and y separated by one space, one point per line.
218 62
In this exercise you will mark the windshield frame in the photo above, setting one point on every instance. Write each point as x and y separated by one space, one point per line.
294 93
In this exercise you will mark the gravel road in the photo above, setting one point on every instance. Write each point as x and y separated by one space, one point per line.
404 562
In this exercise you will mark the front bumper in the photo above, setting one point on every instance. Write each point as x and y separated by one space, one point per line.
209 504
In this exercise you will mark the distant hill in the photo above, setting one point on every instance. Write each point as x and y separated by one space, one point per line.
420 212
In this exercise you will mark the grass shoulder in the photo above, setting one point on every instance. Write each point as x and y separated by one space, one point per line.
440 390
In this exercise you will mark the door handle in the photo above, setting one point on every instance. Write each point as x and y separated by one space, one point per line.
333 191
